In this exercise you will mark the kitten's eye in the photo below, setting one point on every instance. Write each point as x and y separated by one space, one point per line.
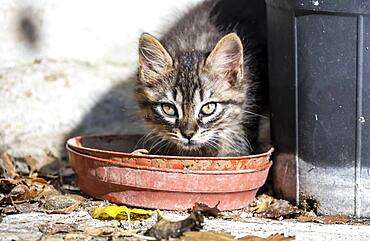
169 109
208 109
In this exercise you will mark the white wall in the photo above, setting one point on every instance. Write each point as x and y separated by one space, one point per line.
87 30
81 83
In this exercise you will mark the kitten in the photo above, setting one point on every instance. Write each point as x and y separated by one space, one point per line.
196 87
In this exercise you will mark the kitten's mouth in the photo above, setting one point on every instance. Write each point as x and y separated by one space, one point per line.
190 144
187 142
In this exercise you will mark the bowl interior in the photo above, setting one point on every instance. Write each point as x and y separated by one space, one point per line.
119 148
111 143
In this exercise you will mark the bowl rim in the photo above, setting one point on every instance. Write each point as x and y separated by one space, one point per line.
72 142
260 168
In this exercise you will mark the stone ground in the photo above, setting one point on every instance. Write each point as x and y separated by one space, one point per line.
44 103
28 226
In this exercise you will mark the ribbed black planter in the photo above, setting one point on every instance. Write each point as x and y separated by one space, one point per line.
319 72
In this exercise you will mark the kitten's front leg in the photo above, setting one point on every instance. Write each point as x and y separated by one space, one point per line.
140 152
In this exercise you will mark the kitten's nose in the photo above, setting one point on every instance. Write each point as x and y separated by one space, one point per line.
187 133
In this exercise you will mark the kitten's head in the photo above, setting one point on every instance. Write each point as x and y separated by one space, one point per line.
193 101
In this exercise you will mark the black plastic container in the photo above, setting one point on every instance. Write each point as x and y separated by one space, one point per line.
319 73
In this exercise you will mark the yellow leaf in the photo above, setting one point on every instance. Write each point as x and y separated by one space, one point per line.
120 213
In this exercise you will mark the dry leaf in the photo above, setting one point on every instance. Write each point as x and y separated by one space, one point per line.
279 237
335 219
32 163
62 203
54 227
262 203
79 236
273 237
105 231
267 207
205 210
306 219
24 189
6 163
206 236
20 193
120 213
281 208
309 217
7 184
221 236
114 233
48 190
165 229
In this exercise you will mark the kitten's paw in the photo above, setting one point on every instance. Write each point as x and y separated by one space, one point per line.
140 152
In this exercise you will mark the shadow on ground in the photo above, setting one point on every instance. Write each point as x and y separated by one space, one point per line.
115 113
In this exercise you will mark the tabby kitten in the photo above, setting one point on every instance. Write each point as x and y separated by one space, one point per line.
195 89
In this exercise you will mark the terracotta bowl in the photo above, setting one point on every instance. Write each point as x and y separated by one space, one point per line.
119 148
106 170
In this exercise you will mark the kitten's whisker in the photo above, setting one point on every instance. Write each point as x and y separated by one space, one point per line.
155 145
249 146
167 148
243 139
147 135
142 139
213 145
153 140
158 149
173 135
252 113
150 138
165 145
231 143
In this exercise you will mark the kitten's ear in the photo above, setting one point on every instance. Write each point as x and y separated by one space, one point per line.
226 59
154 59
